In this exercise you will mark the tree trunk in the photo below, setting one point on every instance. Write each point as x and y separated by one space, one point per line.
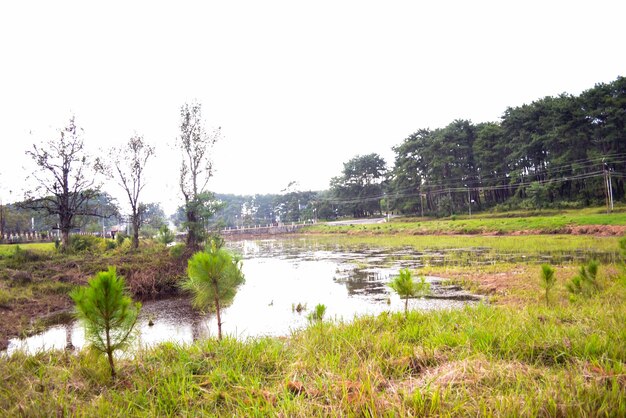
218 315
192 224
136 232
110 352
406 306
110 356
65 239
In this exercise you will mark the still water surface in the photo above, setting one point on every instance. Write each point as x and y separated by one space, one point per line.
280 274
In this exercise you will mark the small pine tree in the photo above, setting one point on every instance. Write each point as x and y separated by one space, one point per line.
165 236
108 314
548 280
585 282
318 313
405 287
213 278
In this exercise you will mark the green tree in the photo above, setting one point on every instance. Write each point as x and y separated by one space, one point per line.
213 278
165 236
195 171
548 280
406 288
359 189
108 314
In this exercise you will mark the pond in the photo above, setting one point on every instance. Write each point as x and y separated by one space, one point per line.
280 275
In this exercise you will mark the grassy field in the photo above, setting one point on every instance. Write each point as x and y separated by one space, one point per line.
566 359
529 244
9 249
488 223
513 356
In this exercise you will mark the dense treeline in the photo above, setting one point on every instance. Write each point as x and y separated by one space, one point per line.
565 150
554 150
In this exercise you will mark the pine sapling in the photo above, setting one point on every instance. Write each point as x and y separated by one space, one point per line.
108 314
548 280
405 287
213 278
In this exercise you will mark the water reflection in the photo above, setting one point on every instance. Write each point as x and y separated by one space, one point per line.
280 274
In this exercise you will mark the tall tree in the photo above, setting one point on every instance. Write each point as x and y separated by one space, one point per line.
406 177
129 163
359 189
196 169
66 184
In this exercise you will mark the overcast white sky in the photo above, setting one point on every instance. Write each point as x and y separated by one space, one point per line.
297 87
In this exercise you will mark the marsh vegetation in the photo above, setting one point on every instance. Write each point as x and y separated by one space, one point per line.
536 346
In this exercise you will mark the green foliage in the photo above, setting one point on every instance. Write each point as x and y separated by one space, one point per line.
548 280
538 194
108 314
406 288
546 153
318 313
360 185
109 244
21 256
585 283
165 236
177 251
125 246
213 278
87 243
120 237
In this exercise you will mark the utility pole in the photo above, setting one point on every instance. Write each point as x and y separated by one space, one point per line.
387 201
606 186
469 202
1 221
610 191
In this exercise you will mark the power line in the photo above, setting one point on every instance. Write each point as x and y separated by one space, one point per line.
396 196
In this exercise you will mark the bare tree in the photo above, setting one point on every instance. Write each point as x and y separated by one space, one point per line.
66 185
196 169
129 163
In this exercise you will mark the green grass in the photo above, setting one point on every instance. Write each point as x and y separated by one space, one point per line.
566 360
484 223
43 247
513 357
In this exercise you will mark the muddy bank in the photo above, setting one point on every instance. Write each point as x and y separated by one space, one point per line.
45 293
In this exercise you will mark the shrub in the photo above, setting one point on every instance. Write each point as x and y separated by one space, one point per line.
125 246
177 251
85 243
120 237
585 282
109 244
165 236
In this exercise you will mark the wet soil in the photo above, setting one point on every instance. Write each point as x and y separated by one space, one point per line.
147 275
